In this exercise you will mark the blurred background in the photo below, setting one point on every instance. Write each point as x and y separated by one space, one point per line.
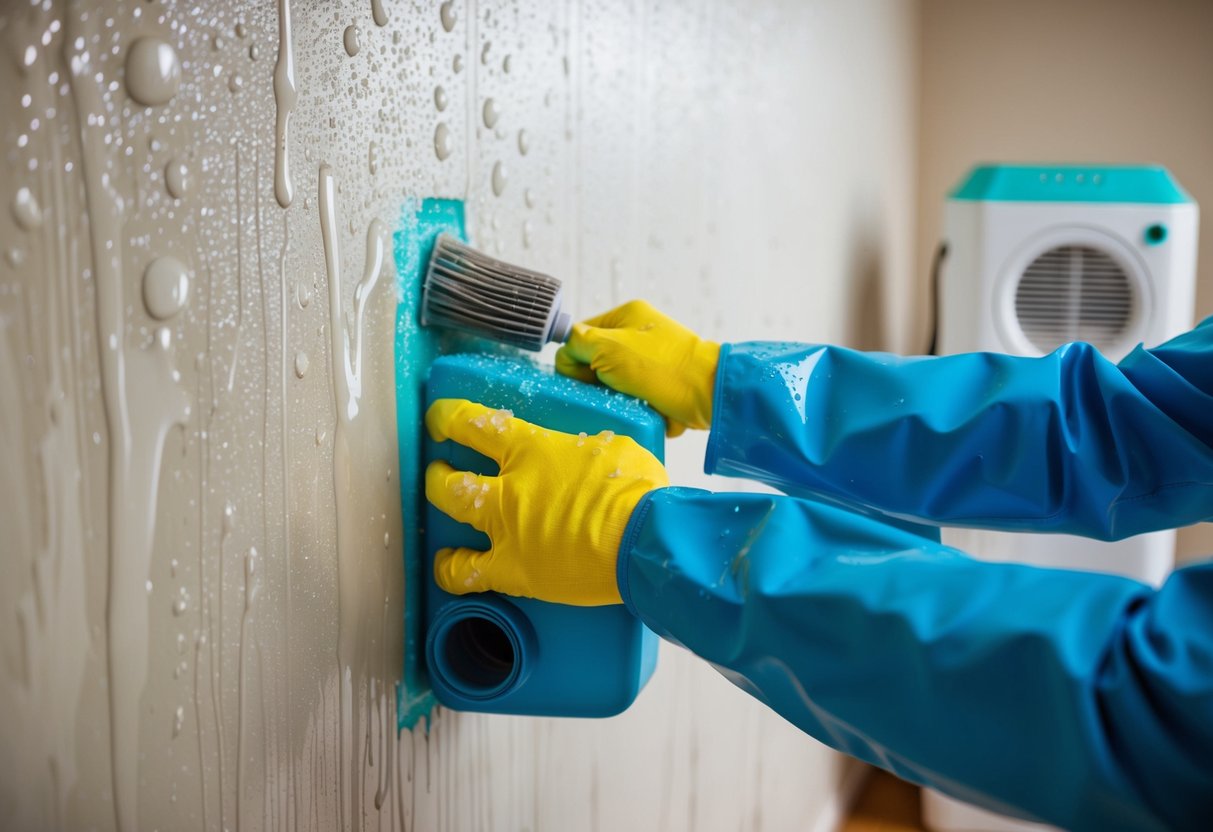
172 586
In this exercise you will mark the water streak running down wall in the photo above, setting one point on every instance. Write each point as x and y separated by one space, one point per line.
200 575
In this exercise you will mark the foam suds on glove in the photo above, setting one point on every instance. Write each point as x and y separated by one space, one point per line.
501 419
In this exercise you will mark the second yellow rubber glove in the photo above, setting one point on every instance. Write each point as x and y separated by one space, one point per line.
555 513
639 351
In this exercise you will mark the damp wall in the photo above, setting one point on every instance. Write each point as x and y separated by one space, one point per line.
201 581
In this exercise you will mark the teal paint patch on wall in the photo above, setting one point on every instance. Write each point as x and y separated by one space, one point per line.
416 349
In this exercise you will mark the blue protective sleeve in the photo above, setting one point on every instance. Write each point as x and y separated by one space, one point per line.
1081 699
1065 443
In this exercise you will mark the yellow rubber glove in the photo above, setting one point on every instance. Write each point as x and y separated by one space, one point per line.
555 513
639 351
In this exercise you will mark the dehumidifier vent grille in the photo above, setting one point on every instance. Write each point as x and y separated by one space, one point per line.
1074 293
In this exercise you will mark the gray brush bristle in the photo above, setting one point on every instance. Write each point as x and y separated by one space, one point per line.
468 290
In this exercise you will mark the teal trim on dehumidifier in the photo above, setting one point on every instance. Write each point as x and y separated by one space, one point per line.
1133 184
415 348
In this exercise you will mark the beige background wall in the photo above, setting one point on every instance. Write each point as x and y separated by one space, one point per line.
186 641
1067 80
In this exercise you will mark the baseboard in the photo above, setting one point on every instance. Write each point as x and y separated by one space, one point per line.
838 808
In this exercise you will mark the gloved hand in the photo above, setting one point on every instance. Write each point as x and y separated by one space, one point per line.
639 351
555 513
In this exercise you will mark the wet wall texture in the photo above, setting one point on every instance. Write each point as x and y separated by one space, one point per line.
201 584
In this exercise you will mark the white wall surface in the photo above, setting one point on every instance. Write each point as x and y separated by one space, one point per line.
1083 81
185 642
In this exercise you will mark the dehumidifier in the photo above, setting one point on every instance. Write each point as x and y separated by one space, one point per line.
1034 257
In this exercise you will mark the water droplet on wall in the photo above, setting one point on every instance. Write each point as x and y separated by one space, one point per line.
177 179
26 211
457 63
378 13
301 364
153 71
166 287
446 12
440 98
350 39
443 144
372 158
285 98
303 294
500 178
524 142
236 82
491 113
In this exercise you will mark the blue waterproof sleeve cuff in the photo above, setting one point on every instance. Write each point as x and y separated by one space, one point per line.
630 532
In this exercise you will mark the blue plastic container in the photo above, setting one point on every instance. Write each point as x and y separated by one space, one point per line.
491 653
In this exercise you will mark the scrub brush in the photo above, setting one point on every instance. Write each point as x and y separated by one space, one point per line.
468 290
